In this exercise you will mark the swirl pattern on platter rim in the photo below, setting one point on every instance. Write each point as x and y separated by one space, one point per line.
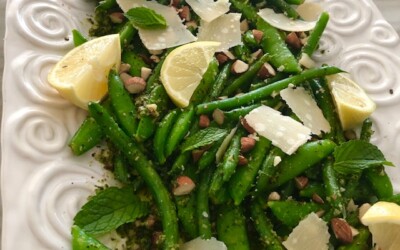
54 195
45 24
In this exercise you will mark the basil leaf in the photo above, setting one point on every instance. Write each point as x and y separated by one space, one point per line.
203 137
81 240
356 155
146 18
109 209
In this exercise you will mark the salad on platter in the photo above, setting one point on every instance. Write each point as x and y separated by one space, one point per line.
222 132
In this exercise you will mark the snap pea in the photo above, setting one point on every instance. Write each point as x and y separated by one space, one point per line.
186 211
332 188
86 137
161 134
222 196
291 212
206 84
315 35
231 227
135 61
241 182
263 92
78 38
145 168
179 130
126 34
268 169
264 227
203 213
180 163
311 189
246 77
220 82
306 156
123 106
285 8
379 181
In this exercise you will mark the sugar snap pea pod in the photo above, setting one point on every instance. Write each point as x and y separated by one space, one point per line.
78 38
285 8
241 182
242 52
279 76
126 34
379 181
208 157
147 124
86 137
135 61
264 227
324 100
179 129
161 135
306 156
268 169
202 202
295 2
107 4
206 84
231 227
360 242
220 82
263 92
186 210
291 212
332 188
145 169
180 163
311 189
313 40
246 77
222 196
123 106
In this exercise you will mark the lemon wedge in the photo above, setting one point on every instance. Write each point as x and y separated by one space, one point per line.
383 220
352 103
81 75
183 70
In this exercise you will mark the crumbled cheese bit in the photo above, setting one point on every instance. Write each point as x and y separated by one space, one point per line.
310 234
277 160
306 61
283 131
225 29
305 107
208 10
157 39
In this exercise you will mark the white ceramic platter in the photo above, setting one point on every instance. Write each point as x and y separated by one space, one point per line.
43 185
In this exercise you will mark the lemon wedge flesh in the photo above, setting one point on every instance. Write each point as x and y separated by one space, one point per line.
383 220
352 103
183 70
81 75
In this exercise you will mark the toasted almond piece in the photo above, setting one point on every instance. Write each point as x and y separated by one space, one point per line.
274 196
247 144
124 68
316 198
244 26
222 58
301 182
258 35
184 13
247 126
185 185
204 121
242 160
117 17
145 72
293 40
342 230
133 84
218 116
266 71
197 153
239 67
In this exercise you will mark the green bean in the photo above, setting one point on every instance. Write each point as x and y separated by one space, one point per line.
246 77
306 156
332 189
179 130
311 189
324 99
268 169
366 130
279 76
78 38
208 157
295 2
291 212
238 113
126 34
180 163
186 210
145 169
220 82
202 210
360 242
206 84
222 196
135 61
122 104
263 92
161 134
120 170
241 182
107 4
247 10
285 8
264 227
231 227
86 137
315 35
379 182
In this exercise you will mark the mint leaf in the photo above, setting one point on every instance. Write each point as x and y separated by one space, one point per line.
146 18
109 209
356 155
203 137
81 240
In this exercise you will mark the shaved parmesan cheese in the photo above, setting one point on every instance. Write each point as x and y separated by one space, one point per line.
155 39
306 109
209 10
311 234
225 29
306 61
309 11
283 22
200 244
283 131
